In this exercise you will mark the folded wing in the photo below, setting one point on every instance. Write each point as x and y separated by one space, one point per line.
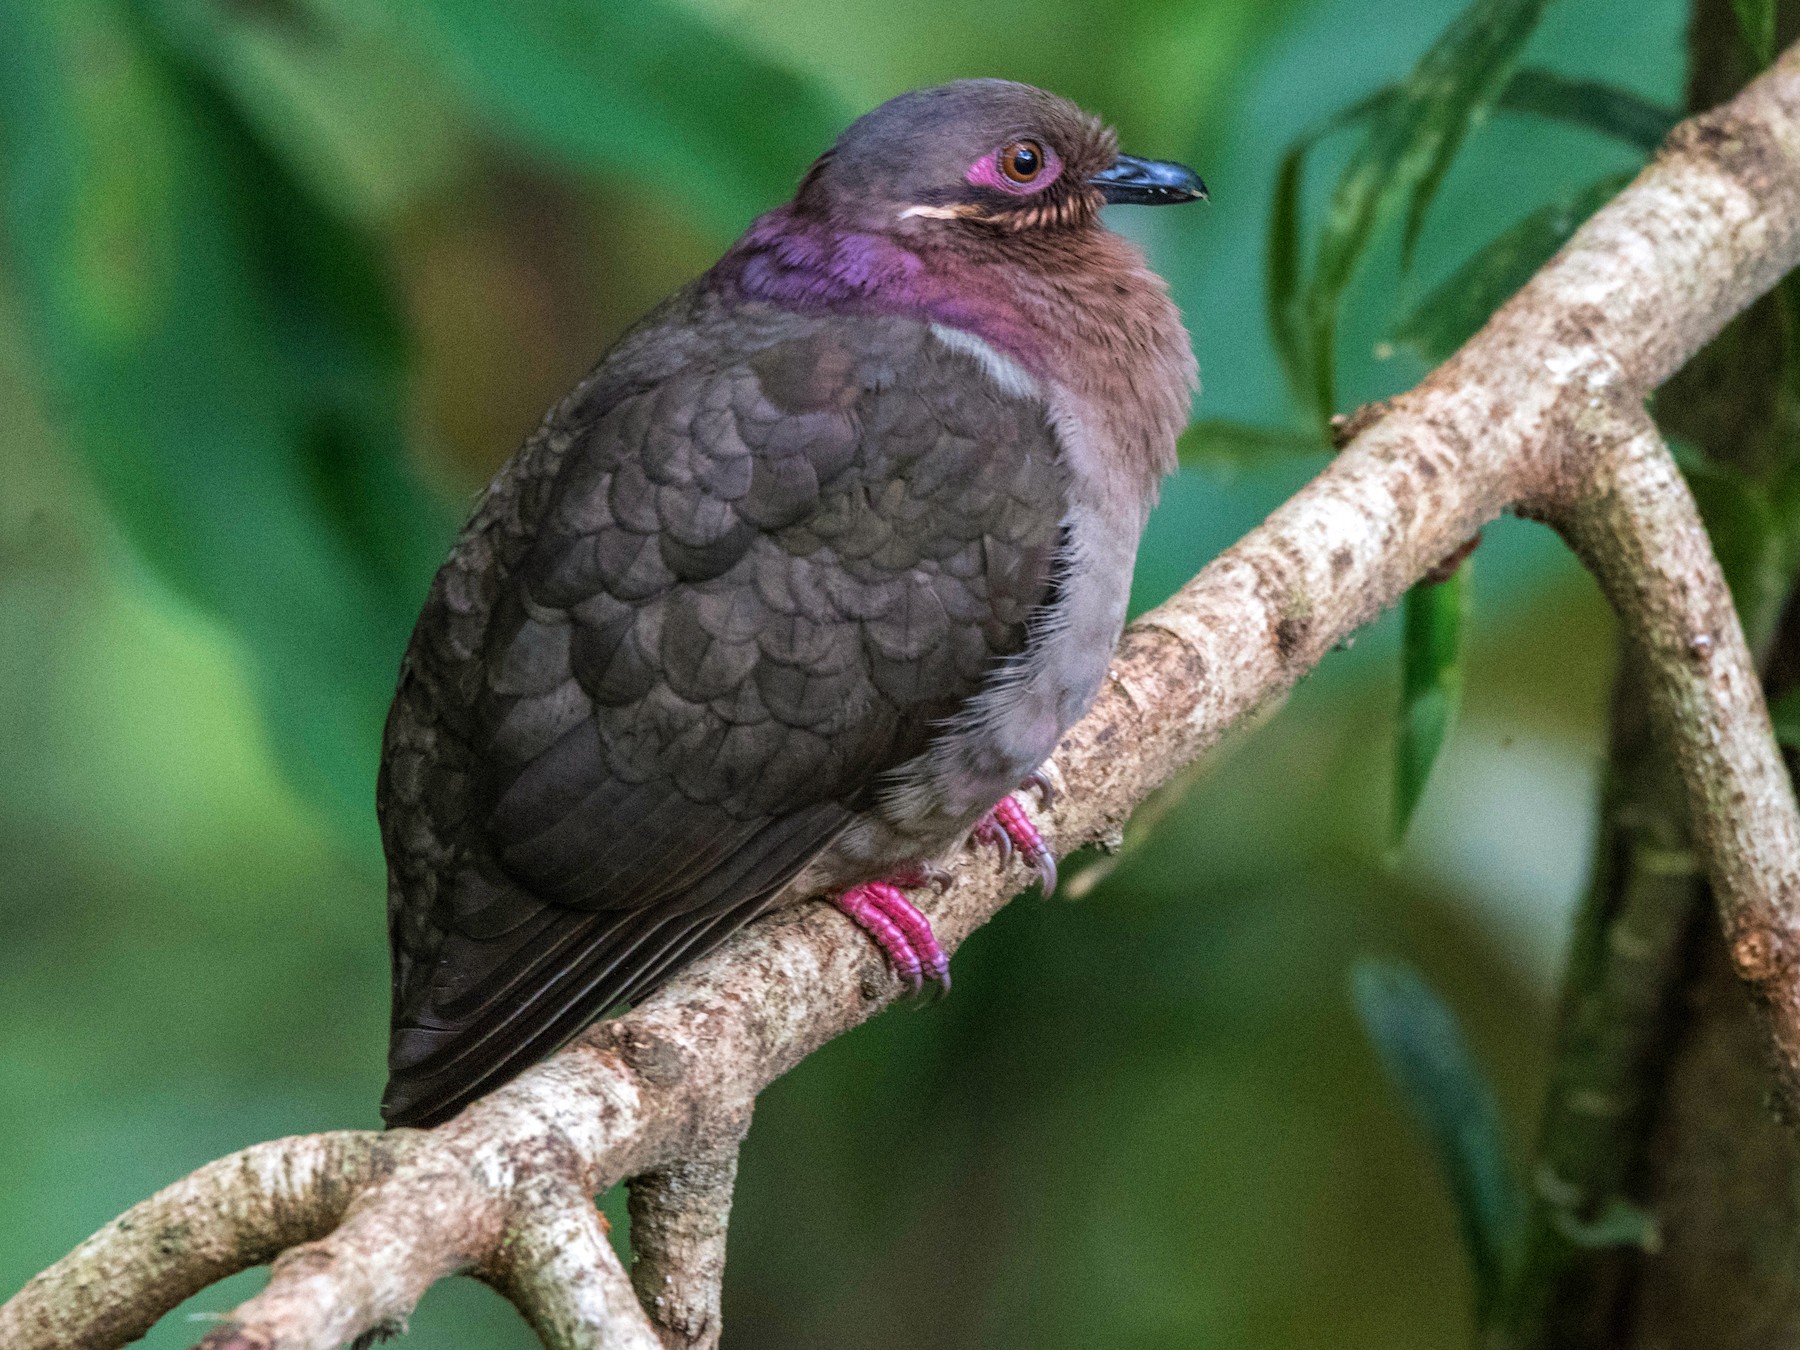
747 590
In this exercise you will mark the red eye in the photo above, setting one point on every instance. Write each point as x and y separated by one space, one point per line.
1022 161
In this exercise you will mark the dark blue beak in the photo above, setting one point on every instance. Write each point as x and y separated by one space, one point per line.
1149 182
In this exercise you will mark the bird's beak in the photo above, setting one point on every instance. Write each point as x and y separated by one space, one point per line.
1148 182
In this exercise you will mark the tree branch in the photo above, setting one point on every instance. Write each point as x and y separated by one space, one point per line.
557 1264
237 1212
1542 411
1635 525
679 1215
1633 937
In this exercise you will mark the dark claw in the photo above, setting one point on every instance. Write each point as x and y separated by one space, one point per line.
933 992
1039 781
929 874
938 878
1045 866
939 975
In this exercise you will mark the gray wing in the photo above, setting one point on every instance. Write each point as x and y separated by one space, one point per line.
751 588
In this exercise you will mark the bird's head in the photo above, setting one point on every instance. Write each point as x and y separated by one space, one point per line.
976 205
981 155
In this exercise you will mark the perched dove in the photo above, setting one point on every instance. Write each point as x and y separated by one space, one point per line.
801 581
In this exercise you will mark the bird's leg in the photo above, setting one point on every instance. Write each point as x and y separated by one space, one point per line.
881 911
1007 827
900 930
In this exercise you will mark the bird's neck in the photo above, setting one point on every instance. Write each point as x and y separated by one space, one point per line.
1080 311
799 262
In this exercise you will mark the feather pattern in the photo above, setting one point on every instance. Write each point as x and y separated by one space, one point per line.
817 562
693 625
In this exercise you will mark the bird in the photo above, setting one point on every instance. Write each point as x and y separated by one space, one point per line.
792 592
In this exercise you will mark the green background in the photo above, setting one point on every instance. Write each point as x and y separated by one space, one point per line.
283 281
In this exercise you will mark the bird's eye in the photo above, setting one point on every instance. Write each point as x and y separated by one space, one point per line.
1022 161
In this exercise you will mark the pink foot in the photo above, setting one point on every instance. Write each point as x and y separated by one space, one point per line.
881 911
1007 827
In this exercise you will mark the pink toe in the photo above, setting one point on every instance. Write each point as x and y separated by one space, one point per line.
989 832
1011 823
899 929
917 929
861 904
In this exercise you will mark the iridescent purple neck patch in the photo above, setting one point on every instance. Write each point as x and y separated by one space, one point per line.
813 267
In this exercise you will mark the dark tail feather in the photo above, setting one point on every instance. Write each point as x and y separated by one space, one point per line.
515 999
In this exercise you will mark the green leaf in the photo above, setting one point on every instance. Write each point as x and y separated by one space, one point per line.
368 129
1784 712
1426 1058
1604 108
1453 88
1282 274
1451 314
646 88
1414 133
1620 1224
1431 687
1598 107
1756 27
1283 268
1231 446
228 366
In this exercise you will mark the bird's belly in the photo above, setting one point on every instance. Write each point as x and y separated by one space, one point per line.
1005 733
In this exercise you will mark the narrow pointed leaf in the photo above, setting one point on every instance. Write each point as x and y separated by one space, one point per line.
1756 26
1431 687
1457 82
1450 315
1305 352
1284 268
1410 144
1220 444
1283 274
1428 1061
1604 108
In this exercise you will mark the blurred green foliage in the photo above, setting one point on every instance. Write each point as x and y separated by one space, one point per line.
1412 132
281 281
1429 1063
